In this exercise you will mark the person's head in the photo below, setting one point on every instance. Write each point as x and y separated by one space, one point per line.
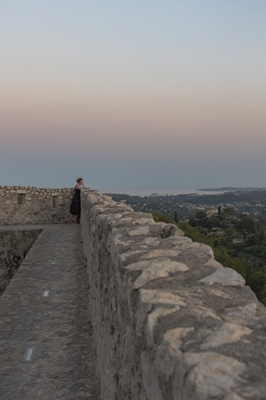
79 180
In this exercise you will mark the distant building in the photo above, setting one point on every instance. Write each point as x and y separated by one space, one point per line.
211 212
218 232
238 240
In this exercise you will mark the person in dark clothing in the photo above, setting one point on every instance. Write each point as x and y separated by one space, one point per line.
75 204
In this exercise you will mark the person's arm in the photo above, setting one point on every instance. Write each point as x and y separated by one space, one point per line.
80 186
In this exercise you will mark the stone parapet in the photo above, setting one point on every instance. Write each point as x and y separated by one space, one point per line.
14 245
169 322
32 205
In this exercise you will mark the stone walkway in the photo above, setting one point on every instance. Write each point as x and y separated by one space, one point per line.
46 349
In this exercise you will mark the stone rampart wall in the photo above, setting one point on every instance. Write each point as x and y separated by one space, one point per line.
31 205
14 245
169 322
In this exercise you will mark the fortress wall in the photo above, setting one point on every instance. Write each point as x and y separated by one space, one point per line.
31 205
169 322
14 245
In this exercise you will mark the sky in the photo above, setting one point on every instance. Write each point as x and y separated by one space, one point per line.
133 95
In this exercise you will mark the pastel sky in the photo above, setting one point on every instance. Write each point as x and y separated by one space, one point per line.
133 95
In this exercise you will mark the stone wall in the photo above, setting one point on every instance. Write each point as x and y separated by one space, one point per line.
169 322
31 205
14 245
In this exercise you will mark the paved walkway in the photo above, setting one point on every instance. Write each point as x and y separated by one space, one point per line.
45 344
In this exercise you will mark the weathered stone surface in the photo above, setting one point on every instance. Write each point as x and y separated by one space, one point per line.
150 382
153 319
160 296
151 241
213 263
168 353
31 205
210 375
160 253
225 277
232 396
242 313
14 245
158 268
139 231
169 321
228 333
169 230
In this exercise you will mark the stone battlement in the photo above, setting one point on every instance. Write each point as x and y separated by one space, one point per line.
32 205
169 322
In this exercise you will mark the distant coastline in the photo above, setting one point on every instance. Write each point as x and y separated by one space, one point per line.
161 192
229 189
175 192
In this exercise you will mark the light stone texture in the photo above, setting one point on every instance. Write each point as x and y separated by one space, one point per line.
209 374
228 333
153 319
248 310
226 277
159 254
160 296
169 322
159 268
213 263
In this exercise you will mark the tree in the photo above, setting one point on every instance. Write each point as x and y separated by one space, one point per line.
176 219
229 212
200 217
249 224
212 222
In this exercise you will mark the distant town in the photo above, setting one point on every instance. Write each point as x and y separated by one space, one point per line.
245 201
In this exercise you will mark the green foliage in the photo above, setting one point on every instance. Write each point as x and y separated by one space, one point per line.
158 217
257 282
260 236
229 212
233 233
176 218
257 250
247 258
248 224
220 253
213 222
193 234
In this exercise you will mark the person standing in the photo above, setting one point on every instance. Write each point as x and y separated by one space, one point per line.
75 204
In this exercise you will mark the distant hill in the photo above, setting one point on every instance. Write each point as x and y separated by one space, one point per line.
244 201
229 189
